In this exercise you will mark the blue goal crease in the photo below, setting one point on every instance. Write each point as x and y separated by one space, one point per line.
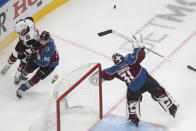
114 123
3 2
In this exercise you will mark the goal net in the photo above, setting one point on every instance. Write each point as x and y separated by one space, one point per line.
74 101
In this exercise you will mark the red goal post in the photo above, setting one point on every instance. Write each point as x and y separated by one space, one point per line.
58 100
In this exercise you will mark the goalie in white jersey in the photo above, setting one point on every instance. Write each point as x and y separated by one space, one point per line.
28 41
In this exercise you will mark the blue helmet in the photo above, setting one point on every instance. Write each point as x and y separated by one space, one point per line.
117 58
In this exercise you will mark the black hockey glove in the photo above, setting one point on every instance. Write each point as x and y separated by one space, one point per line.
21 56
32 57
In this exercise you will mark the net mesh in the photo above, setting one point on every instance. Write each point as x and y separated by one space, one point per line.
81 101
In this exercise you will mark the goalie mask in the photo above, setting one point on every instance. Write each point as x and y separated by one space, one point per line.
117 58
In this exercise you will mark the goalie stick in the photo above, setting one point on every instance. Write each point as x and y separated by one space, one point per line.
100 34
191 68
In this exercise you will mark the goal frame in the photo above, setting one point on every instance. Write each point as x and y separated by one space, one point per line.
58 115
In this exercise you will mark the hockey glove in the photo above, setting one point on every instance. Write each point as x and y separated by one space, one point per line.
94 79
21 56
137 41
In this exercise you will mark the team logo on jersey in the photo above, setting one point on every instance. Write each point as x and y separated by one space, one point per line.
27 37
47 49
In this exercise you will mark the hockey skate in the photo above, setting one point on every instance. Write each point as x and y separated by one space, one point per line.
18 94
23 76
5 69
133 118
19 77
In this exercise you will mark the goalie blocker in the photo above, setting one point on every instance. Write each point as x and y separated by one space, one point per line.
138 81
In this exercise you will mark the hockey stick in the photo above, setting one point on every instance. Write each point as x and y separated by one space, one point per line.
100 34
191 68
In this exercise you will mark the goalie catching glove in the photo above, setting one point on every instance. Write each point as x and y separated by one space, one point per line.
94 79
137 41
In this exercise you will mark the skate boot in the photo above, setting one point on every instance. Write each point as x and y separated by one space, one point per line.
24 87
5 69
133 118
24 76
17 80
19 77
173 110
18 94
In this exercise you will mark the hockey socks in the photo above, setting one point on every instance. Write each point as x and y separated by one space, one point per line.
22 89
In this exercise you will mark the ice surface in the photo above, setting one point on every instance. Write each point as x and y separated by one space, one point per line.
74 27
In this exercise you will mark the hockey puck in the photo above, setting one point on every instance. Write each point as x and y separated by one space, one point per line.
114 7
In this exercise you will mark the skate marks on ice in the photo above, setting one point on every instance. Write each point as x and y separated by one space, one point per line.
114 123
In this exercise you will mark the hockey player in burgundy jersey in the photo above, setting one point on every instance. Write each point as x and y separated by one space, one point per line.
28 40
45 60
138 81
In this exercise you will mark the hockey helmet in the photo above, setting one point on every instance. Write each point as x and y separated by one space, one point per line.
117 58
21 27
45 35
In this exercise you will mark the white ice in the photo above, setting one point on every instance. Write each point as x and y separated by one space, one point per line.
74 27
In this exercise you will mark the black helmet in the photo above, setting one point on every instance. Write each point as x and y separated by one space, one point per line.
117 58
45 35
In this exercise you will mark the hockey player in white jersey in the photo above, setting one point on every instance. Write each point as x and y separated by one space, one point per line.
28 41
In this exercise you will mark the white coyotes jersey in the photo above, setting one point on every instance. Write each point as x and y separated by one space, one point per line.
32 34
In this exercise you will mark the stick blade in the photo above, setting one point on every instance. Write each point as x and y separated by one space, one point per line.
191 68
104 33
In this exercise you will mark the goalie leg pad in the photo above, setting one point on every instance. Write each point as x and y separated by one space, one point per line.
166 101
134 110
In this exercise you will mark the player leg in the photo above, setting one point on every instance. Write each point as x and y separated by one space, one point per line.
41 74
166 101
20 75
16 54
133 106
160 95
11 60
26 66
29 68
